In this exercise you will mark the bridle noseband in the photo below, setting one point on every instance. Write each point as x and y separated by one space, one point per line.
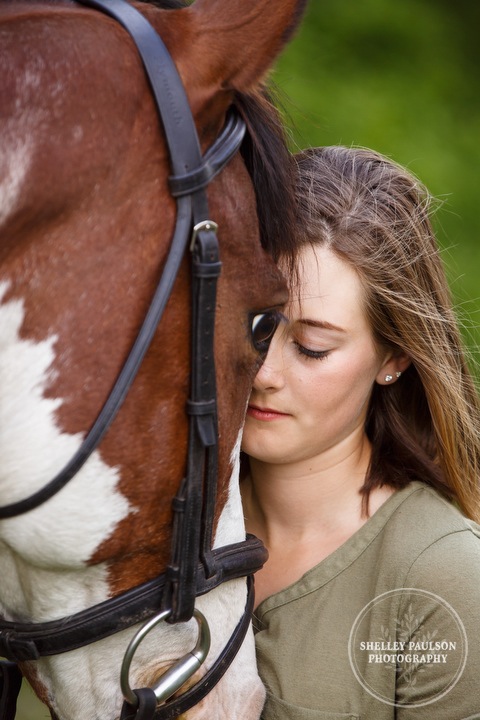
195 568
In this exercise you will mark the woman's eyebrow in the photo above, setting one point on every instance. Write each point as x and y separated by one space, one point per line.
322 324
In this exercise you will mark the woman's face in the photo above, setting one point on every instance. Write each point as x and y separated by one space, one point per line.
311 394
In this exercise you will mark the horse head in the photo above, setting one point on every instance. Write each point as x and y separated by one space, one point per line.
86 218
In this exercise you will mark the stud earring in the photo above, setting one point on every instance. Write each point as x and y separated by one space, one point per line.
388 378
397 374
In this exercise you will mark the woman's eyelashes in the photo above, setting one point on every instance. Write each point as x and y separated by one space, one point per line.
307 352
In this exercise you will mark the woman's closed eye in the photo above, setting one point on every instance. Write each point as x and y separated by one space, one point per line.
309 353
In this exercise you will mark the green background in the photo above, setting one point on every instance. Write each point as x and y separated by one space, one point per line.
400 76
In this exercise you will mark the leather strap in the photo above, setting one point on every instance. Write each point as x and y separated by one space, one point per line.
10 684
167 87
29 641
212 162
145 710
194 504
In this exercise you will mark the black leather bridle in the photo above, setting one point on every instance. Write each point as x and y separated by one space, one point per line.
195 568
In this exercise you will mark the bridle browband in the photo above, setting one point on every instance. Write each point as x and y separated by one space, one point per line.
195 568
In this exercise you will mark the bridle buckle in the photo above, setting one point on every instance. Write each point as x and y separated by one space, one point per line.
208 225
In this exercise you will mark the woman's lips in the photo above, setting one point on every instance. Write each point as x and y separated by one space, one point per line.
266 414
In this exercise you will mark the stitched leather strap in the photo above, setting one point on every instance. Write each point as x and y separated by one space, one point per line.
29 641
194 504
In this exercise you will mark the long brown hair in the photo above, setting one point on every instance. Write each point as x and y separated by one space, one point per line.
376 216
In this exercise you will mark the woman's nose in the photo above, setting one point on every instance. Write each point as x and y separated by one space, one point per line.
271 374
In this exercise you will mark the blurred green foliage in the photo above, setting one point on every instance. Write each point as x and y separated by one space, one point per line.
402 78
29 708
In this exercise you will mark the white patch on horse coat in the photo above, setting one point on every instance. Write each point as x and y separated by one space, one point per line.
14 165
231 528
44 553
64 532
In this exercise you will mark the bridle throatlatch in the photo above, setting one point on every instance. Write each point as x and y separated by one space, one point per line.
195 568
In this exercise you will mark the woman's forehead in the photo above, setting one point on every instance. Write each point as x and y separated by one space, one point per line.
326 287
322 274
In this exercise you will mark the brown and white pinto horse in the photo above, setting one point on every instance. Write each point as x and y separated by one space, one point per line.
85 221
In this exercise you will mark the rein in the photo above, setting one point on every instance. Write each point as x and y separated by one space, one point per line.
195 568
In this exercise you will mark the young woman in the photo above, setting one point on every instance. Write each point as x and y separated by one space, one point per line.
362 442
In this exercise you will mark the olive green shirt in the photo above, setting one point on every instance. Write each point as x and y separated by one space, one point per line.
387 626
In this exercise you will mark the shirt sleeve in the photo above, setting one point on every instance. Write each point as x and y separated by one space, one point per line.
438 629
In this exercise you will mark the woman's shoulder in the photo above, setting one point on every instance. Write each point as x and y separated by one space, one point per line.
426 531
422 511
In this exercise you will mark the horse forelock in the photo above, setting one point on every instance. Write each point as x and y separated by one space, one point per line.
268 160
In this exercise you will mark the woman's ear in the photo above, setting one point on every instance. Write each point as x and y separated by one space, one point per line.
393 367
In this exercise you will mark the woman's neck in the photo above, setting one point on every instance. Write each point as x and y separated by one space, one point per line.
305 511
310 498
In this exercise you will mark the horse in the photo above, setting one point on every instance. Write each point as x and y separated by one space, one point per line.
92 597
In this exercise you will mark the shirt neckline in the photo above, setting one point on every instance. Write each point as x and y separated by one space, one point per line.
341 558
